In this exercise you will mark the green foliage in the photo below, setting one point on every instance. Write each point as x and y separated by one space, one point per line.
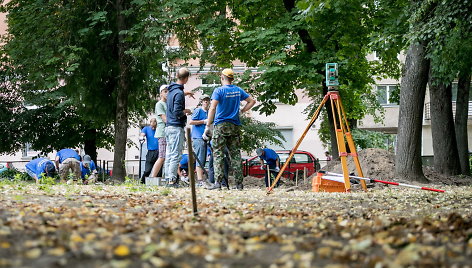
13 176
256 134
63 58
372 139
446 26
47 180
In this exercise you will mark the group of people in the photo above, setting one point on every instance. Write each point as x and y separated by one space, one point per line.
215 130
69 164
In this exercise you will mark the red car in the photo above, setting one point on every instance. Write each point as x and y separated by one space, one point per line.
299 161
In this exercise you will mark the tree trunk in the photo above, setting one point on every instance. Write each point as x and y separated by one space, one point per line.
90 143
121 119
446 157
462 114
408 163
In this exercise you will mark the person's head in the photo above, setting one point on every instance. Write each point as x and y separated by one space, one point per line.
326 153
182 75
49 169
153 123
205 101
227 76
86 160
259 152
163 90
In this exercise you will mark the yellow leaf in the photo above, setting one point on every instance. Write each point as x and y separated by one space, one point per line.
5 245
57 251
33 253
76 238
121 251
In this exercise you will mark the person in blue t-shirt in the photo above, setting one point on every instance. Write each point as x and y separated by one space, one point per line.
68 162
199 145
149 132
271 159
88 168
224 113
38 167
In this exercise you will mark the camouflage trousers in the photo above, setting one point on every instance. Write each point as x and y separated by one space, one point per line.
71 165
227 135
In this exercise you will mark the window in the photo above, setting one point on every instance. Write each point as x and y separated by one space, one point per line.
386 93
302 158
27 151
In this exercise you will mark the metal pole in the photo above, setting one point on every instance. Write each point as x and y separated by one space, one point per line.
337 175
296 177
191 162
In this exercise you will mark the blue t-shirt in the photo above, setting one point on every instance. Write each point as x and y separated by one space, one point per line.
67 153
197 130
270 157
152 143
38 165
184 161
229 98
87 171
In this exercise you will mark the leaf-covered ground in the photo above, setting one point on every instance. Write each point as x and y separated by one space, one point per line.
137 226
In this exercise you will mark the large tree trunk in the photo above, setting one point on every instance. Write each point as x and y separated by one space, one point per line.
446 157
408 163
90 143
121 119
462 114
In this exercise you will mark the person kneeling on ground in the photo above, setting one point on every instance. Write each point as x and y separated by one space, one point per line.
40 167
88 170
271 159
68 162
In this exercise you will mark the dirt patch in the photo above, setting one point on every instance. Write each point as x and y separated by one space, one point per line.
286 184
380 164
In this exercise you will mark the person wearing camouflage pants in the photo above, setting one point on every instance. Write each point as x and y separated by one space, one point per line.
224 114
227 135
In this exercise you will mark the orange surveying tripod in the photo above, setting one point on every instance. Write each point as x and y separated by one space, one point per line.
343 133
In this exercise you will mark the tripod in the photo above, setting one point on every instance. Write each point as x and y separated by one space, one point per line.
343 135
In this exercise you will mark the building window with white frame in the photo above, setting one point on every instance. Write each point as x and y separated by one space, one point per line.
385 94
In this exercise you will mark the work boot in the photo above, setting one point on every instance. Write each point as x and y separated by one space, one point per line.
216 186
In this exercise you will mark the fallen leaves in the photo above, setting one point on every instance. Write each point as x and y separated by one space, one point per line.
120 227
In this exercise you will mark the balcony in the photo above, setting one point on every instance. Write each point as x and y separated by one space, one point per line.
427 111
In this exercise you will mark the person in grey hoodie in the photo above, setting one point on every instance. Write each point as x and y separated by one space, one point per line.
176 115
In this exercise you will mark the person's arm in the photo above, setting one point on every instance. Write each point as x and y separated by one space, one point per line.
211 112
249 104
189 93
179 108
161 112
56 161
195 121
164 117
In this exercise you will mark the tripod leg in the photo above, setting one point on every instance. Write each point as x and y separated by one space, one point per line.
292 152
335 101
352 147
